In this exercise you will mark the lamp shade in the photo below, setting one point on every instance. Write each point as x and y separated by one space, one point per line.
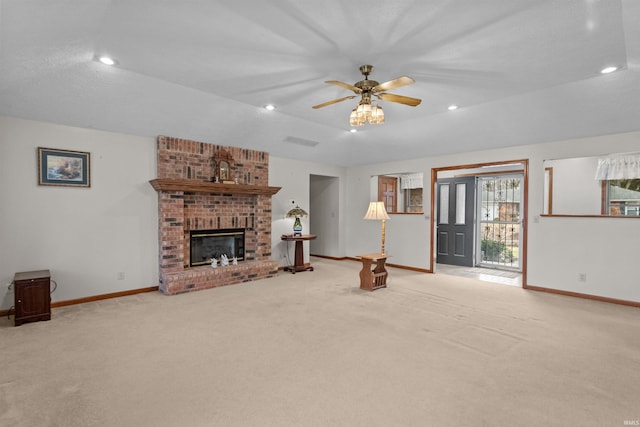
297 212
376 211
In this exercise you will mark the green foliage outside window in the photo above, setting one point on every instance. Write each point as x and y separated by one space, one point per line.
495 251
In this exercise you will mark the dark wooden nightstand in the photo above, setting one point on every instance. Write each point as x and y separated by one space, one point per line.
32 296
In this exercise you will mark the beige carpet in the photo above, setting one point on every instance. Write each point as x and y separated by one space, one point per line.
312 349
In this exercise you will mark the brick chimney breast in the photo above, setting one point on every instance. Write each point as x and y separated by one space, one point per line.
193 200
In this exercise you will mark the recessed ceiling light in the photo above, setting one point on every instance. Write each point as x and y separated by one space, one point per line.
452 107
107 60
608 70
270 107
353 130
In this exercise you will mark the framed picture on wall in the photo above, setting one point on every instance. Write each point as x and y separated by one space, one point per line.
63 167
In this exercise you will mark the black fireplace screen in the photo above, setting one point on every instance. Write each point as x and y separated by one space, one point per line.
207 244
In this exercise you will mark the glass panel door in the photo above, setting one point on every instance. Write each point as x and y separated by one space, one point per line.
461 199
500 213
443 218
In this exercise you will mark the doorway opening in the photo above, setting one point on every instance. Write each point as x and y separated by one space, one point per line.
324 211
477 221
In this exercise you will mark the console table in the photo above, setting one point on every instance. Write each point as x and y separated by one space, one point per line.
376 278
299 264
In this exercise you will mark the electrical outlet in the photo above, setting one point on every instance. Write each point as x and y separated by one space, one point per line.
582 277
121 275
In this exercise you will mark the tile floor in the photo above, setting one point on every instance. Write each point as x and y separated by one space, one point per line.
505 277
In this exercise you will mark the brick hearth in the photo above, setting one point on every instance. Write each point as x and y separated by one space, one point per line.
188 200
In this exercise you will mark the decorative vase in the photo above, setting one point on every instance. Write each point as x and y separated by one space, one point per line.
297 227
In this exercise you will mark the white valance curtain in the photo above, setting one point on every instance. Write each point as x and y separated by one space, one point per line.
619 167
409 181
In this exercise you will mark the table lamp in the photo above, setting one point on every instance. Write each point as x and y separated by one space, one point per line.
297 213
377 211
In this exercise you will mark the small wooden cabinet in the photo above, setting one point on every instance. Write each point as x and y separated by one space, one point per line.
32 296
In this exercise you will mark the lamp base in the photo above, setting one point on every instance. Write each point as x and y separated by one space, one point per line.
297 227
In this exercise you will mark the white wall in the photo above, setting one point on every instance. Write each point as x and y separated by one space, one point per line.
559 249
407 236
295 179
84 236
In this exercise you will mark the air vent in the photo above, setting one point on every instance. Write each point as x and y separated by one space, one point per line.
301 141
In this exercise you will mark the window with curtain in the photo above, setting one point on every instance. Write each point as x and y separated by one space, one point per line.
618 167
411 185
622 197
621 184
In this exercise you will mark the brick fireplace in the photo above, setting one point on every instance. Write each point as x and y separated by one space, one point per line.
189 200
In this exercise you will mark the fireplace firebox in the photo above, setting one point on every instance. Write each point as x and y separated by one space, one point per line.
207 244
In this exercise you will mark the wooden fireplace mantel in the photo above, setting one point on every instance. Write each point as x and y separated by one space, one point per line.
195 186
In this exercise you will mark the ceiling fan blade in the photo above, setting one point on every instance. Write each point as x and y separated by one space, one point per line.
324 104
406 100
392 84
345 85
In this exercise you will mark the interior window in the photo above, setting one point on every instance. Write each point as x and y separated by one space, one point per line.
413 200
400 192
622 197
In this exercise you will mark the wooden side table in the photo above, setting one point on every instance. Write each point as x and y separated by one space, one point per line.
376 278
299 264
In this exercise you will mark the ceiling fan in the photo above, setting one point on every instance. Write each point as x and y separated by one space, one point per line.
366 111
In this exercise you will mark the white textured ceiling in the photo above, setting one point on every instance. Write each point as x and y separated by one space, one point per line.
522 71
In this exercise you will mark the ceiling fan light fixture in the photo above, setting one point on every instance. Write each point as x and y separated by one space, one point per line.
367 111
356 119
377 115
363 112
364 109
